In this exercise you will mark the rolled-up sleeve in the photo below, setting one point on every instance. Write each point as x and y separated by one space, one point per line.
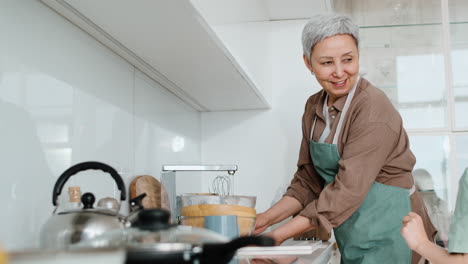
306 184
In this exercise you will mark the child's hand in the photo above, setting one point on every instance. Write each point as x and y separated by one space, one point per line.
413 231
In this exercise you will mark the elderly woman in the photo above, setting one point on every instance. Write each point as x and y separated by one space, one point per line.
354 169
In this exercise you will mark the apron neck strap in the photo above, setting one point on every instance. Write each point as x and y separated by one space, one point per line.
345 110
343 113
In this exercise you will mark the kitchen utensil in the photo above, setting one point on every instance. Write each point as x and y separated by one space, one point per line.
245 225
109 203
221 185
217 209
287 248
225 225
149 185
153 240
319 234
71 226
194 215
3 257
74 194
188 199
74 200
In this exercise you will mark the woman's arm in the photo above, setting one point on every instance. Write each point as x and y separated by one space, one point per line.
304 187
283 209
296 226
415 235
286 207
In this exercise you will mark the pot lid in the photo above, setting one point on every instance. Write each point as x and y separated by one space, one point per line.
153 231
96 211
88 200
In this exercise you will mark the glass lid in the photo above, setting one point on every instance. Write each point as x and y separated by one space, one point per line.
150 230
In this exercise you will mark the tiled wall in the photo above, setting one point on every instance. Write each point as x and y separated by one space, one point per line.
65 98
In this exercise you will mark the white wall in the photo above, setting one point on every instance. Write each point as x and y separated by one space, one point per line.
265 144
65 98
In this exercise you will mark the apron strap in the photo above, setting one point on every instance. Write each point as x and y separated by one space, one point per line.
345 110
343 113
326 131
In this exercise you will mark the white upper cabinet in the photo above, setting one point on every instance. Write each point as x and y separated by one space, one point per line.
170 42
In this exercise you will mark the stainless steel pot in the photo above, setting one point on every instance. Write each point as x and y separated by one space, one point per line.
153 240
68 227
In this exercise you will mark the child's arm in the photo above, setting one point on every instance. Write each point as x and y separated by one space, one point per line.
416 238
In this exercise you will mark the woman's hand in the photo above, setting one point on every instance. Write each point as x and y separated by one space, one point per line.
261 224
293 227
413 231
283 209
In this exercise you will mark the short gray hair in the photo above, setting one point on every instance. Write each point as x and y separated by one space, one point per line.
322 26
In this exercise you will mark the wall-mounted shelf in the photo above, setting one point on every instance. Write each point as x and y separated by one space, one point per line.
172 44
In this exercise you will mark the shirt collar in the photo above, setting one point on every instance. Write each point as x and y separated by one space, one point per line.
340 102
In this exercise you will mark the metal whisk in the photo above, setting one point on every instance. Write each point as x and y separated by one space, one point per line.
221 185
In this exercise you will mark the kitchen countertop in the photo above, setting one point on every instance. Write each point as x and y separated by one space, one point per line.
41 256
292 252
322 253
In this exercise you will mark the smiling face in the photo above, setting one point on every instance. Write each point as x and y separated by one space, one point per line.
335 63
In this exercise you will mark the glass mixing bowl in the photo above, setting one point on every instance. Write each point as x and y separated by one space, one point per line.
196 199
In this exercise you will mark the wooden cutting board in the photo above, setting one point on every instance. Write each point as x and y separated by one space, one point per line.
149 185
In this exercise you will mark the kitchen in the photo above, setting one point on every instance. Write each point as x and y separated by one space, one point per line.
230 89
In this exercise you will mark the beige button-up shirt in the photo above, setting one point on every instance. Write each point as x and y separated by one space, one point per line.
373 146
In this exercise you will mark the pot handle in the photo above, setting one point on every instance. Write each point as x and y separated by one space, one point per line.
88 165
223 253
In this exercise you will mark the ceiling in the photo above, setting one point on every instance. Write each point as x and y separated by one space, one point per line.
217 12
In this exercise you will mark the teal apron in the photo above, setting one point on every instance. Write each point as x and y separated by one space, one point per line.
458 235
372 234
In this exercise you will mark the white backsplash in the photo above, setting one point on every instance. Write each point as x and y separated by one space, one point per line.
64 99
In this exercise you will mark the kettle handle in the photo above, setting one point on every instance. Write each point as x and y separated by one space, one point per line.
88 165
